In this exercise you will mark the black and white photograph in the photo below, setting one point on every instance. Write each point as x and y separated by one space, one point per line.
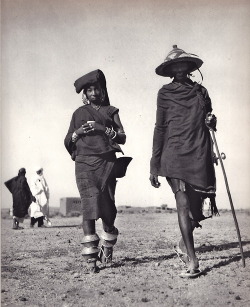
125 153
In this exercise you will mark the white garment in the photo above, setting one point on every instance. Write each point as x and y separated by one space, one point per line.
40 190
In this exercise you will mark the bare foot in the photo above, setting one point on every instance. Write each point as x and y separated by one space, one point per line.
193 265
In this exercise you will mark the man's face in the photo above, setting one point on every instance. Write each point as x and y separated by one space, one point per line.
180 70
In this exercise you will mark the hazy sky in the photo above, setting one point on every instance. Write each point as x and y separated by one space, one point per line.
48 44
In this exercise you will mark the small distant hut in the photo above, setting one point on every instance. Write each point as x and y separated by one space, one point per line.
69 205
164 207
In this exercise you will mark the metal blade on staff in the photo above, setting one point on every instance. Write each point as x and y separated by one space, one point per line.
221 156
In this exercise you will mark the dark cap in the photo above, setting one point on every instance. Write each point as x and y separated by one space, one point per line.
22 171
92 78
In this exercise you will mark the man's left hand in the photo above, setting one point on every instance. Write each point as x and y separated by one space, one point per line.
154 181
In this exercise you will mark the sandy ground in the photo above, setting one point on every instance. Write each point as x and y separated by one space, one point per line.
43 267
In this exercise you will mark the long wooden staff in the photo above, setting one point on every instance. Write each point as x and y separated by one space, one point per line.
229 194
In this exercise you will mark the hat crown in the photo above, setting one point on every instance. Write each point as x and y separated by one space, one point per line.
175 53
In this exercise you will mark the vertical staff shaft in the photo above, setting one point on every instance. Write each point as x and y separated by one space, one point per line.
229 196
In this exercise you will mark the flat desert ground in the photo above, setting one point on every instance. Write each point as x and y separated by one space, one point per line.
44 266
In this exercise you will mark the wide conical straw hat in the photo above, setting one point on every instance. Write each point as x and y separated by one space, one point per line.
178 55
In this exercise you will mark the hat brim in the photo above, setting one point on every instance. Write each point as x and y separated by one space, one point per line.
164 69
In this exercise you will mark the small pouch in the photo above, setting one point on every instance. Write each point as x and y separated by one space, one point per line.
120 166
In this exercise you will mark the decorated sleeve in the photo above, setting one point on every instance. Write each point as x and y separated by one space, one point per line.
112 110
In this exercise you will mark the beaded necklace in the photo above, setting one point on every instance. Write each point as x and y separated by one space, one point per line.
96 107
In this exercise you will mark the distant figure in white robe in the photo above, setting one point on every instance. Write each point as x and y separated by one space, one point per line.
39 210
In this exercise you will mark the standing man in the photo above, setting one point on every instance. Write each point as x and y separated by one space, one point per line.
39 208
22 197
182 147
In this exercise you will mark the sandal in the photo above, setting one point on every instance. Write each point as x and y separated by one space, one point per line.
184 258
105 255
190 273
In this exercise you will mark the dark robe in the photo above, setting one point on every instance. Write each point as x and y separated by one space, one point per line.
95 158
182 146
22 196
94 155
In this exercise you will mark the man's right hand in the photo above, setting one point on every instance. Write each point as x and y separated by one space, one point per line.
211 121
154 181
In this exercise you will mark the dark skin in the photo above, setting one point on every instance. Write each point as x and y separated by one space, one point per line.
94 94
180 71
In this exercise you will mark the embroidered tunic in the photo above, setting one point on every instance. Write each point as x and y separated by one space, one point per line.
92 144
94 156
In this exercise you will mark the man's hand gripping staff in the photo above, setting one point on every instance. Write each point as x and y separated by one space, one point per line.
210 122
